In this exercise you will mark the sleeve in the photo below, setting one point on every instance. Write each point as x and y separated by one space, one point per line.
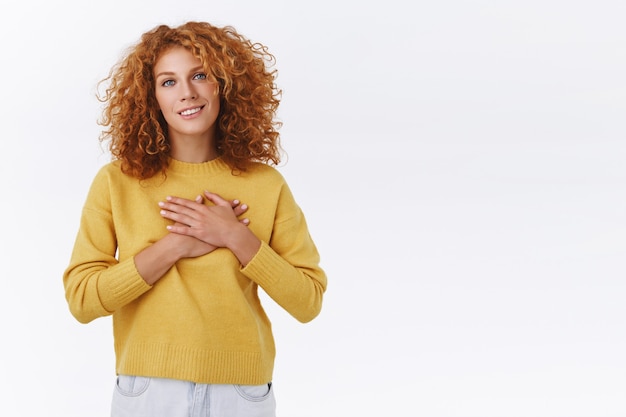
288 266
96 284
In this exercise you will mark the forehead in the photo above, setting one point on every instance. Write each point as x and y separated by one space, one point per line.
176 59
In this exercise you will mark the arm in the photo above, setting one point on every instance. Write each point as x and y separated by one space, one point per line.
287 267
96 283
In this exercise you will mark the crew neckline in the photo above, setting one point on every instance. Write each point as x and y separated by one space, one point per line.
214 166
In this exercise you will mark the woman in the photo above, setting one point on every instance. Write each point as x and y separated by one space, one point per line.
163 245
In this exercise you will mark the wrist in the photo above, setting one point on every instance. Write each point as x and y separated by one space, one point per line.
172 251
243 243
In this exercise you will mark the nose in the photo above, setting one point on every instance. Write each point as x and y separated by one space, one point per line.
188 92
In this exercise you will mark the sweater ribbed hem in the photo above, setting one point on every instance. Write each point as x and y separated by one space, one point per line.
193 364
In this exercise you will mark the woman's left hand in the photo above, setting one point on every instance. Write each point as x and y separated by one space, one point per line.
209 223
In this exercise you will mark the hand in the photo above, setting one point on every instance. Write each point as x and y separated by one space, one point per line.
209 224
188 246
155 260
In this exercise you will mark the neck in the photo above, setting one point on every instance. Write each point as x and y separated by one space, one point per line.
193 149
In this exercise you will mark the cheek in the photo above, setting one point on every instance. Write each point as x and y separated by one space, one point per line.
216 105
160 101
214 101
164 108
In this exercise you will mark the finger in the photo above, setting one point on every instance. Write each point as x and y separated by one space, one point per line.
183 202
216 199
177 217
180 206
240 209
180 229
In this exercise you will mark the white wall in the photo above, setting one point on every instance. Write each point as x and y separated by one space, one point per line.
461 165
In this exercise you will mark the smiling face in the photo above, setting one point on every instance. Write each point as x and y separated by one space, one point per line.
188 99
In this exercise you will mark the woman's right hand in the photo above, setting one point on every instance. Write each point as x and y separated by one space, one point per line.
155 260
192 247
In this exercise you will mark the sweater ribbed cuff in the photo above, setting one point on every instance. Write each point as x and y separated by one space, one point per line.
266 267
122 286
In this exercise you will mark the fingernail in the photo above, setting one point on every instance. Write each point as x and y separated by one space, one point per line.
161 204
244 206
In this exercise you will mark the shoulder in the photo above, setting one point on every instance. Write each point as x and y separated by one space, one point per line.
264 172
110 175
271 181
109 169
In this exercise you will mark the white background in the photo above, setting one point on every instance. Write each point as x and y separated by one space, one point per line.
461 166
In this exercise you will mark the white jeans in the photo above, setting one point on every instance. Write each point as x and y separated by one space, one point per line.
137 396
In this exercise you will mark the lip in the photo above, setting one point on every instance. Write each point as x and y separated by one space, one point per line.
197 109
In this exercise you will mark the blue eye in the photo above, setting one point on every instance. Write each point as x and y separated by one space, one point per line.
167 83
199 76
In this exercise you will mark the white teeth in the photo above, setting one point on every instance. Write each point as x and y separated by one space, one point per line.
190 111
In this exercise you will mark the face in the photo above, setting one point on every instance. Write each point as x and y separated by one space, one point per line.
188 99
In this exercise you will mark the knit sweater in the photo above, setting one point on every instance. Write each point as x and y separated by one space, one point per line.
203 320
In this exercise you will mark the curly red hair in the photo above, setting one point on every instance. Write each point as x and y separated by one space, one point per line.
249 99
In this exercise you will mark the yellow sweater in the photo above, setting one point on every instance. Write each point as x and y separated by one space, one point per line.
203 320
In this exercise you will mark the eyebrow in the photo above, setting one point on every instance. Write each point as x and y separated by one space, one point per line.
170 73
